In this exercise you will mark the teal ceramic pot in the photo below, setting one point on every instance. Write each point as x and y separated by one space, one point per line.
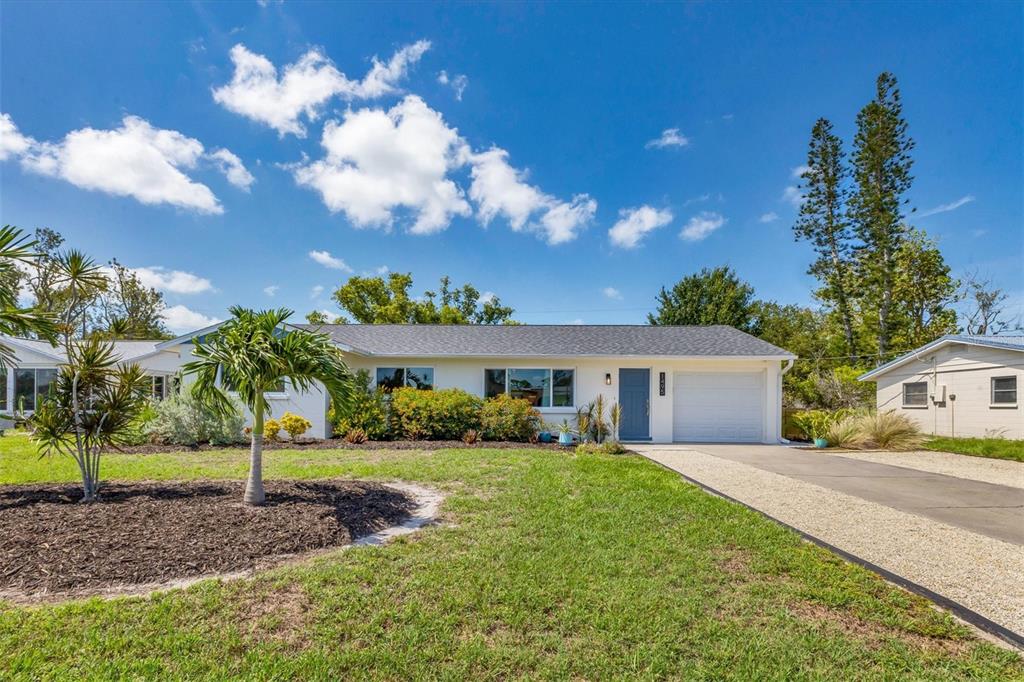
544 436
565 439
820 443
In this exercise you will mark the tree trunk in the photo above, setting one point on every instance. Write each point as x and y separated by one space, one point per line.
254 494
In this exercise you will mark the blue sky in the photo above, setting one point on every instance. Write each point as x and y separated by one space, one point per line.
575 160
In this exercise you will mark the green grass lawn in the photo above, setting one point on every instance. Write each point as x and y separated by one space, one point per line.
548 566
995 448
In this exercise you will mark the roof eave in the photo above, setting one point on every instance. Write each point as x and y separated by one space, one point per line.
933 345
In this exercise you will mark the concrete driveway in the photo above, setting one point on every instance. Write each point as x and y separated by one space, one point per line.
954 538
987 508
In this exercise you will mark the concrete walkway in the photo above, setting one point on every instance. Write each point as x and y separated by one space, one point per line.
954 536
993 510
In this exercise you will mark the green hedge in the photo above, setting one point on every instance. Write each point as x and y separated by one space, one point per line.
508 418
433 415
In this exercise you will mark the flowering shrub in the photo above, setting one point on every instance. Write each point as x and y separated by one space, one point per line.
182 420
271 430
433 415
507 418
294 424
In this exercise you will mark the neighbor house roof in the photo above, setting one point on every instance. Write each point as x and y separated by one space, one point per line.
1014 343
125 350
426 340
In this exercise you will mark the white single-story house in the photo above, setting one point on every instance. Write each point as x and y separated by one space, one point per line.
688 383
957 385
35 366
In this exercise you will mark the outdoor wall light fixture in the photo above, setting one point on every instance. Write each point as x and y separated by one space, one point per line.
607 378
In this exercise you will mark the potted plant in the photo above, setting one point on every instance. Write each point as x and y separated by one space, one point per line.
815 424
545 434
565 433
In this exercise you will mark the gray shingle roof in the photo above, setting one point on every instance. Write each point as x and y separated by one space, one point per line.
547 340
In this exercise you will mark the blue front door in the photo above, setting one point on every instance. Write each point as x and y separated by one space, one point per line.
635 397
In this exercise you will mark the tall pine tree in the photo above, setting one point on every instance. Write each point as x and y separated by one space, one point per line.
881 170
823 222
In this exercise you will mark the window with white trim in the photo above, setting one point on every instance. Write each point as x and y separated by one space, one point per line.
540 387
31 386
915 394
1004 391
390 378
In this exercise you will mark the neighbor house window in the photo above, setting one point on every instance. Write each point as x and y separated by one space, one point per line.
915 394
1004 390
390 378
31 386
540 387
158 387
3 390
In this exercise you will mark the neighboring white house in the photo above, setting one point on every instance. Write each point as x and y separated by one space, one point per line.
708 384
36 362
957 385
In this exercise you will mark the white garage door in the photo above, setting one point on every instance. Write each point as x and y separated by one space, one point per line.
724 407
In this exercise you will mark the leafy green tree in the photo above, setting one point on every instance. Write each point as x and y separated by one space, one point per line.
881 170
253 352
16 320
712 296
91 407
374 300
823 222
127 309
925 292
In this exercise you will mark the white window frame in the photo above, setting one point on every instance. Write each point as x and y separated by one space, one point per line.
903 391
274 395
405 370
551 379
12 402
992 392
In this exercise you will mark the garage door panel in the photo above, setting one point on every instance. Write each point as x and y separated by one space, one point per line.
718 407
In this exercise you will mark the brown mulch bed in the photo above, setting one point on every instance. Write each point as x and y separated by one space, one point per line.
142 533
340 444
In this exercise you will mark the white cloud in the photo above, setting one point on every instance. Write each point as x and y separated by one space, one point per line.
180 319
380 161
271 290
702 225
945 208
325 259
316 291
232 168
670 137
488 296
612 293
500 189
697 200
135 160
382 270
792 195
635 223
256 91
173 281
577 321
799 171
458 82
768 217
12 142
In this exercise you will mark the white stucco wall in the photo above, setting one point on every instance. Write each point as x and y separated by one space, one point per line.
468 374
967 373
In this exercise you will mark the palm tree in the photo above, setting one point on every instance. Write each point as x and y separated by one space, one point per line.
90 407
15 246
253 352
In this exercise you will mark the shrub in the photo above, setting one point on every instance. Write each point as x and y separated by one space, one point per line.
610 447
889 431
470 437
182 420
506 418
434 415
138 429
295 424
368 412
813 423
271 430
355 436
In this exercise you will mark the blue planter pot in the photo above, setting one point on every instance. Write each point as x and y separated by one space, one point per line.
544 437
565 439
820 443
